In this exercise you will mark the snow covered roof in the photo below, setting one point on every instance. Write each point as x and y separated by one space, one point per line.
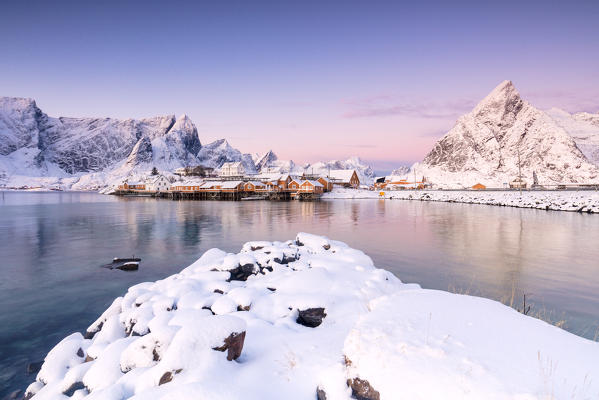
272 176
154 179
230 184
132 183
232 164
343 175
189 183
256 183
313 183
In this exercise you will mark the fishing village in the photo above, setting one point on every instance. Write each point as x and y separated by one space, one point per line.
231 183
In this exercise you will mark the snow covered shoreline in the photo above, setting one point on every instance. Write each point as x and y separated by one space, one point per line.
580 201
311 318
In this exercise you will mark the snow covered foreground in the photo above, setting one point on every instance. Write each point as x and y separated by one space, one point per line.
581 201
312 318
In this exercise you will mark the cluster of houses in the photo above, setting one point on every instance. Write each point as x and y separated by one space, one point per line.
231 179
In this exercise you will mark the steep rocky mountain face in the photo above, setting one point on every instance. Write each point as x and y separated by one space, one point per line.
265 160
502 133
215 154
94 153
400 171
584 129
34 144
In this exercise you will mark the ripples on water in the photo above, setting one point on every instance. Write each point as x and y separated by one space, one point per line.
53 244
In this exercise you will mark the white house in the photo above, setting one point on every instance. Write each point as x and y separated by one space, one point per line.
158 183
232 169
345 177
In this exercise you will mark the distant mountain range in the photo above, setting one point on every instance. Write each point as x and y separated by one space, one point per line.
96 153
486 145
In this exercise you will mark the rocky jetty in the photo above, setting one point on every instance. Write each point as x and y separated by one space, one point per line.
325 324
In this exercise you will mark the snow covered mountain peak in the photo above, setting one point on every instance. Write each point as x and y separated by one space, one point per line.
501 134
501 105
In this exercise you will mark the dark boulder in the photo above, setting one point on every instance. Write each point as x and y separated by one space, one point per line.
73 388
242 272
89 334
128 266
361 390
165 378
234 345
311 317
320 394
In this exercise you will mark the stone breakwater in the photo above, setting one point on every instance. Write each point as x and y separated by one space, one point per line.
581 201
310 318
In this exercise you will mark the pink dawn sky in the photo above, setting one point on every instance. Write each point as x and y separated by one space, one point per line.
309 80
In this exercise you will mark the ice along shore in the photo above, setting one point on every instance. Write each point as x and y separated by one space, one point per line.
586 201
311 318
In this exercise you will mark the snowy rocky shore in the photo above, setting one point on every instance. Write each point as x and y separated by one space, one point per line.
580 201
311 318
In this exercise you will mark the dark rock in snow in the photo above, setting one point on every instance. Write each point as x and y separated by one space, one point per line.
218 291
209 309
320 394
165 378
234 345
80 353
284 260
361 390
34 367
73 388
242 272
90 334
311 317
243 308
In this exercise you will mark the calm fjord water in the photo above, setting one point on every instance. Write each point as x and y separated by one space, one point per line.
52 246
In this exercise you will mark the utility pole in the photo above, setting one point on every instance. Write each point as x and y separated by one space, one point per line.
519 172
415 187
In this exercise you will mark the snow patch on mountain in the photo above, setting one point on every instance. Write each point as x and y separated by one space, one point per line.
584 129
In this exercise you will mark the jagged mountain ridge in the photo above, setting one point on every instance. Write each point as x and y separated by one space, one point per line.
484 146
93 153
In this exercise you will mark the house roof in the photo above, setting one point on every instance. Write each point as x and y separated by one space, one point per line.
153 179
343 175
229 184
313 183
188 183
131 183
256 183
232 164
272 176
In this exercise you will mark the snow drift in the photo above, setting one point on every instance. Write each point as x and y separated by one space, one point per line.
311 318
